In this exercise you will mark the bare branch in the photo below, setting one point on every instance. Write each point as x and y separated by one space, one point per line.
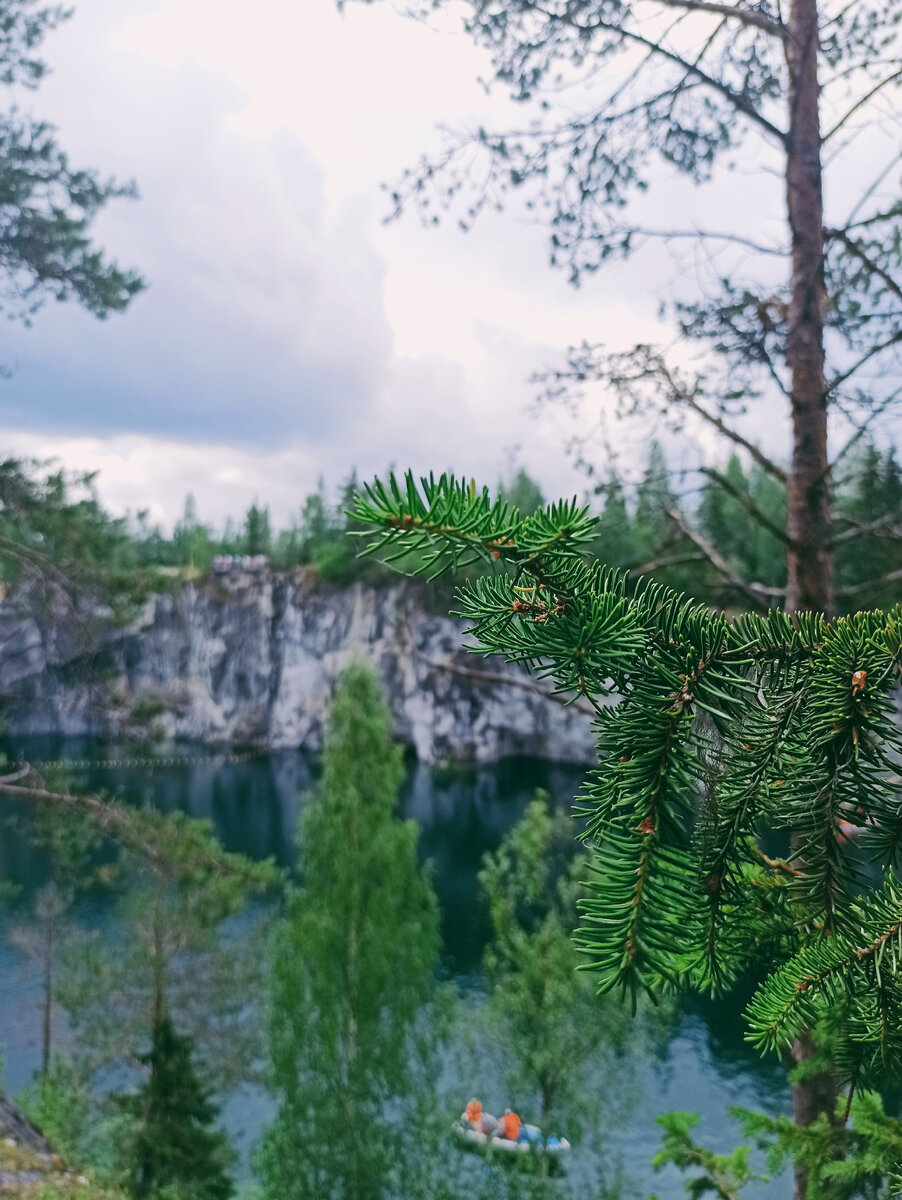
866 195
856 589
883 527
840 235
732 435
745 16
761 596
862 101
739 102
499 678
747 503
666 560
839 380
863 427
120 822
704 235
16 775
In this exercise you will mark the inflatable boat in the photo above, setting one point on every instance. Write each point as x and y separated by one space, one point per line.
529 1141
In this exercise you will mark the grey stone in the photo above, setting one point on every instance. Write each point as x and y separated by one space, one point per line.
254 658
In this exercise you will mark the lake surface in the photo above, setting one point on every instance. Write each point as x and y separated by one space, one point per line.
462 813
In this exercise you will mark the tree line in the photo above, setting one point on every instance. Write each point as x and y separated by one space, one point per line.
722 542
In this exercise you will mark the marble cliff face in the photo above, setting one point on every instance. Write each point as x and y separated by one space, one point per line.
252 658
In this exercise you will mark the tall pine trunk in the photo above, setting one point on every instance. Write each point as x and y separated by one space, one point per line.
810 556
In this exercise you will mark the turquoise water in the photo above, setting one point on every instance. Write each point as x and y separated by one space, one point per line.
462 813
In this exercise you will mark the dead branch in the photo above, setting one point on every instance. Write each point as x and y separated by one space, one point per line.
666 560
745 16
856 589
498 677
747 503
882 527
760 596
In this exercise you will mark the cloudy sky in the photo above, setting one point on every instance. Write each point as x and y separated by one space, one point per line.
287 332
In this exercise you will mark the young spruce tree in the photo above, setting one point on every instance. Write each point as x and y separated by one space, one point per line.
720 727
352 966
175 1151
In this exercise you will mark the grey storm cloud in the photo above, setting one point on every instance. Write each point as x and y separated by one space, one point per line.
264 318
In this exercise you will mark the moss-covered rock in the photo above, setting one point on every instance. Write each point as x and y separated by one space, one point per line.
29 1168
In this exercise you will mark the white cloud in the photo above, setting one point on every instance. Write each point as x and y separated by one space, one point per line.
286 332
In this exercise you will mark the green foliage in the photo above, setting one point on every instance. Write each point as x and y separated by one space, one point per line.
62 1105
445 524
173 1149
69 841
191 540
179 954
48 207
522 493
352 967
723 1175
720 726
257 535
553 1031
553 1038
869 517
844 1159
56 536
54 529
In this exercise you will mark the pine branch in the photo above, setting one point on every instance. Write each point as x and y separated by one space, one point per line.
719 725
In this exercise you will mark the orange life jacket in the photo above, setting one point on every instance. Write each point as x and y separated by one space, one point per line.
474 1111
510 1126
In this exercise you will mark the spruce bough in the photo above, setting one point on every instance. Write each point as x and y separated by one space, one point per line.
708 731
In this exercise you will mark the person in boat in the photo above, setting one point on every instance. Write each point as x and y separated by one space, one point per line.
479 1120
509 1126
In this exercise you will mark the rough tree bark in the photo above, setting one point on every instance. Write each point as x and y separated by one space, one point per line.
810 558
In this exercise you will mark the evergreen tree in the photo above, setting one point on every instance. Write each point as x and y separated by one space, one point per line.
48 207
523 493
721 726
352 967
658 527
869 548
616 541
57 539
721 515
257 535
191 539
175 1151
174 958
315 523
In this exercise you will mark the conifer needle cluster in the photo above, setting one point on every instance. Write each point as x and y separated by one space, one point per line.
710 731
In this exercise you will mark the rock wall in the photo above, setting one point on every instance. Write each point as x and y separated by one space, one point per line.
252 658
